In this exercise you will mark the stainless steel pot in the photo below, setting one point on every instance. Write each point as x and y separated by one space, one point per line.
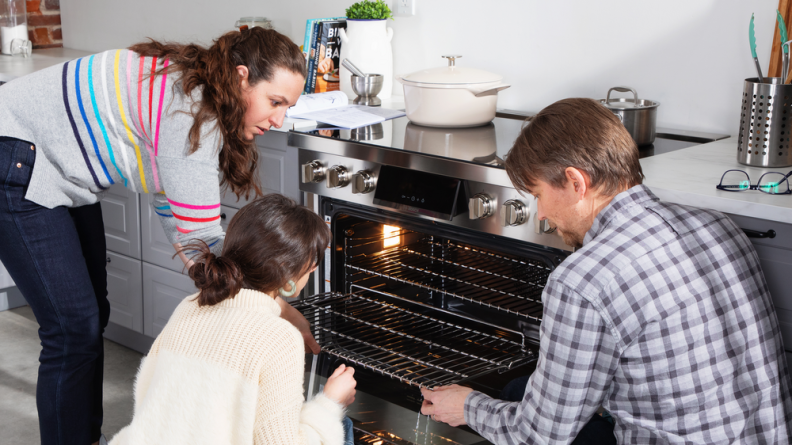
639 116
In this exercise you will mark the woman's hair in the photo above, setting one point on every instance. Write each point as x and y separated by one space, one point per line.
213 69
578 133
270 241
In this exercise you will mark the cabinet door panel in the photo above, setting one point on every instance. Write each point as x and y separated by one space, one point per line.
156 249
775 256
125 291
121 215
163 290
278 169
789 360
226 214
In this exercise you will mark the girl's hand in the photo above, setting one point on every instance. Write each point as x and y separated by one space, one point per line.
340 386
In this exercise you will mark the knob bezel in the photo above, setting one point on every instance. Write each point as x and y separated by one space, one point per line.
337 177
516 208
363 182
481 206
313 172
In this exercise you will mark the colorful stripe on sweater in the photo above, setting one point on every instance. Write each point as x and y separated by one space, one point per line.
74 126
98 117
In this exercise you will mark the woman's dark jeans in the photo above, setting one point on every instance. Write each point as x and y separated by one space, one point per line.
57 259
598 431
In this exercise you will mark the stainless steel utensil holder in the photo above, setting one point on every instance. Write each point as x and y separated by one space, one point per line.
765 123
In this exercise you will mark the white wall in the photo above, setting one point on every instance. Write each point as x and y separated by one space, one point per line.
690 55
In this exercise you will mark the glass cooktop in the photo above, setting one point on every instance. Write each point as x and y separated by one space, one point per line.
487 144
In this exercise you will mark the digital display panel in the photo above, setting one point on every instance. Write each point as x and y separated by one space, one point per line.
416 191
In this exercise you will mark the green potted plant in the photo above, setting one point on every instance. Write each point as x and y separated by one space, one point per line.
369 10
367 43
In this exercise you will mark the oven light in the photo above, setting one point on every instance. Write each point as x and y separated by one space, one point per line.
390 236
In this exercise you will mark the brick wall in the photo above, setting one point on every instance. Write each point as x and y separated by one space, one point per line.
44 23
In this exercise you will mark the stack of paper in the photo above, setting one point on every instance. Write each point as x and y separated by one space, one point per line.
333 109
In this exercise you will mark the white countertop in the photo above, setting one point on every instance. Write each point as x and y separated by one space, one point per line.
689 177
12 67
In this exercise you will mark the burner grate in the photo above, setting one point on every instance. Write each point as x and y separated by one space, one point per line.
415 348
469 274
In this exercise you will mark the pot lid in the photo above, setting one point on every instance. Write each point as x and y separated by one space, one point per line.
626 104
452 74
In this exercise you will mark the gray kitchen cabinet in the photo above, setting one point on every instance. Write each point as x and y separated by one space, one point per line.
121 214
163 290
125 291
226 214
145 281
156 249
775 256
278 169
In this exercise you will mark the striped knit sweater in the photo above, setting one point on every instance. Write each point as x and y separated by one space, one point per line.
106 119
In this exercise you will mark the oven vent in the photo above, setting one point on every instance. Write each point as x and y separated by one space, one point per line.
512 285
419 346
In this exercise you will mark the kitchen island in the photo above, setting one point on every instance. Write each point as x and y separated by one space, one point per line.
12 67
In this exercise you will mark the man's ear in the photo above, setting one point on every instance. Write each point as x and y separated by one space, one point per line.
578 180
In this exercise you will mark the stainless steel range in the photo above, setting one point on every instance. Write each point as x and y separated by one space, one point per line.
436 268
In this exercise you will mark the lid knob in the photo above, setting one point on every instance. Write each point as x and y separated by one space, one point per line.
451 59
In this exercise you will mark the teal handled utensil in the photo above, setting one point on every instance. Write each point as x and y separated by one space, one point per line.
784 47
785 68
752 41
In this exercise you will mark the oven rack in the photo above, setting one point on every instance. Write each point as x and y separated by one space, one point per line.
462 272
415 348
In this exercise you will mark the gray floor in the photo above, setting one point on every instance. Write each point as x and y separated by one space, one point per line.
19 351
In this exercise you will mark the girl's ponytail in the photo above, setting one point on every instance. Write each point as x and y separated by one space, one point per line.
216 277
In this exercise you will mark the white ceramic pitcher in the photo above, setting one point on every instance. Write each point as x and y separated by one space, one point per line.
367 43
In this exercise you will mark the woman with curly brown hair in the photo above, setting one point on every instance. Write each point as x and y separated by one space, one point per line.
174 120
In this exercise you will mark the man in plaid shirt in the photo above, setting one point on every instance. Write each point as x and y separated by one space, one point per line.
662 315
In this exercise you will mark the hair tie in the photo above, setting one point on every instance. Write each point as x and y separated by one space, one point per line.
244 29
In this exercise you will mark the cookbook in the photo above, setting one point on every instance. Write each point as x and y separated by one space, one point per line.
324 73
309 48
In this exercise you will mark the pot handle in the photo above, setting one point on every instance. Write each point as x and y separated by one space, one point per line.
622 90
342 35
399 79
489 91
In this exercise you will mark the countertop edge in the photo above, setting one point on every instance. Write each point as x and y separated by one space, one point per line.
725 205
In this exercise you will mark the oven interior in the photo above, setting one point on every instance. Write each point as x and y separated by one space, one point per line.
413 303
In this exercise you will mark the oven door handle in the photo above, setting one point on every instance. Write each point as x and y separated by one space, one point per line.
757 234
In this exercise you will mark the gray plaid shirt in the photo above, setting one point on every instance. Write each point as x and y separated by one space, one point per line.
664 319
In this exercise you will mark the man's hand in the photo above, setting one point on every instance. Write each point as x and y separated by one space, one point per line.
446 404
293 316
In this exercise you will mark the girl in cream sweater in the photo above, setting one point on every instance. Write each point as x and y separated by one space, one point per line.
227 369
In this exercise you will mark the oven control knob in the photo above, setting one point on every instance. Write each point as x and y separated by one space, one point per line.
514 213
481 206
312 172
363 182
337 177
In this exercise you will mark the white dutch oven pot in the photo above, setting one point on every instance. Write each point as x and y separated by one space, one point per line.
451 96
